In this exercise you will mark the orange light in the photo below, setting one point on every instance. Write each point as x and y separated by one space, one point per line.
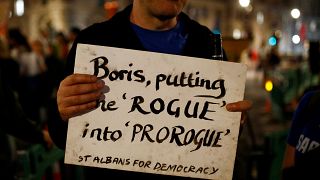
111 8
111 5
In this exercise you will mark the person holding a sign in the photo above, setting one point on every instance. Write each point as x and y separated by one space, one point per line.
146 25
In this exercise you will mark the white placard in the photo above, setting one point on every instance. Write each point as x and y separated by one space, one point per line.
162 114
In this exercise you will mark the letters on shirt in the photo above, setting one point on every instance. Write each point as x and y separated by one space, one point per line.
305 144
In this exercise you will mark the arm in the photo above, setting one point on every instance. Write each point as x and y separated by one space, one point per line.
77 94
288 160
288 163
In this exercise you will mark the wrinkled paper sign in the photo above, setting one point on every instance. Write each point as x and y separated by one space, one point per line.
162 114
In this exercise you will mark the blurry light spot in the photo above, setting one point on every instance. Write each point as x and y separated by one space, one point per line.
260 18
296 39
313 26
249 8
244 3
236 34
216 31
19 7
272 41
295 13
111 5
268 85
278 33
111 8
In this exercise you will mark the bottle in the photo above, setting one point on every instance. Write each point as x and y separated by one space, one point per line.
217 47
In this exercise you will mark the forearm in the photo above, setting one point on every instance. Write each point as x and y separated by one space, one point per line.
288 163
288 160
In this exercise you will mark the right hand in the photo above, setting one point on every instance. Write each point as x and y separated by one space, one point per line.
77 94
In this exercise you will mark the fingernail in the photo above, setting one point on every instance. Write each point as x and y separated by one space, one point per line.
230 106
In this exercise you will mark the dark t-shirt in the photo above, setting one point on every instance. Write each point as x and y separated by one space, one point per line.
304 135
305 130
171 41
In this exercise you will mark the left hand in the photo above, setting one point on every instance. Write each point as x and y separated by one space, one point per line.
240 106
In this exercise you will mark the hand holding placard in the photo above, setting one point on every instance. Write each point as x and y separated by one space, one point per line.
163 114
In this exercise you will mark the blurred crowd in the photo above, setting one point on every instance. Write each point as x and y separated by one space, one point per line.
289 76
31 71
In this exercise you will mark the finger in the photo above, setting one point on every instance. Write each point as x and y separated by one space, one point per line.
80 99
79 78
72 111
80 89
239 106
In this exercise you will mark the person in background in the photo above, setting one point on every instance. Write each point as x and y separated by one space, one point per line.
147 25
18 44
303 143
9 65
61 47
74 31
33 80
302 153
32 67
